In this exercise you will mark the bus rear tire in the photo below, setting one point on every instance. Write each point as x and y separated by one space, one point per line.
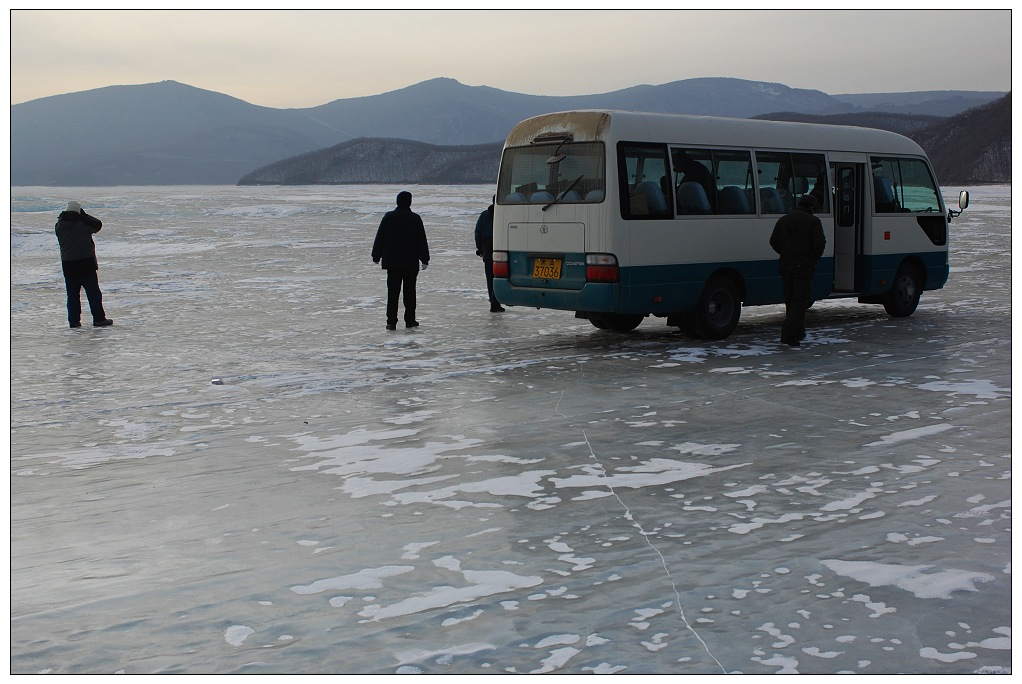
717 313
903 298
617 322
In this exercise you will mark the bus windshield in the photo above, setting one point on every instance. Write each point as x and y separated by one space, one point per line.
561 172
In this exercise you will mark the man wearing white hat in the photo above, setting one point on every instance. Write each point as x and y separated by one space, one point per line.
74 230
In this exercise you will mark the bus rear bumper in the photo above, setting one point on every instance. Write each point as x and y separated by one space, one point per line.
602 297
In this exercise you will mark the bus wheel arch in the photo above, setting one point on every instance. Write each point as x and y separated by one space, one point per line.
903 297
720 306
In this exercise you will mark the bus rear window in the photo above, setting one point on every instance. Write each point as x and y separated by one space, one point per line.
563 171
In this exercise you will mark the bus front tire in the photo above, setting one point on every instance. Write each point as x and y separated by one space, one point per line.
903 298
716 316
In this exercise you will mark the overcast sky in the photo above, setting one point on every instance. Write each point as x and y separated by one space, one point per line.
308 58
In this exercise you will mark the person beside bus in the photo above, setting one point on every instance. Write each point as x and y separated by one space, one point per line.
799 240
484 249
401 244
78 261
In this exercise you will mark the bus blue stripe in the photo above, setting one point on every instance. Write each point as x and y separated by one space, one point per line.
672 288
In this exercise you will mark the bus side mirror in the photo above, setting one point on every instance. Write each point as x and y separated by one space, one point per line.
963 203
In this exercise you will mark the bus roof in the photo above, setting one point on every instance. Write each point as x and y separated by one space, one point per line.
683 129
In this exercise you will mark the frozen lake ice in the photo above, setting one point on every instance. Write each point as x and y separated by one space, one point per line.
248 474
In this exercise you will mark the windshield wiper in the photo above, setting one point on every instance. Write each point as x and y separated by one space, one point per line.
566 191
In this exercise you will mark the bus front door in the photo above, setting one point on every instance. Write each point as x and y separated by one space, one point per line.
847 224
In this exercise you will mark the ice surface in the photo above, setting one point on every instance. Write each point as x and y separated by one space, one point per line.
248 474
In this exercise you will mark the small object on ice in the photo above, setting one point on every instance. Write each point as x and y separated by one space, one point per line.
217 381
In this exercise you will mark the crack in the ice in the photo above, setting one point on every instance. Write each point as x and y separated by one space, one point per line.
628 516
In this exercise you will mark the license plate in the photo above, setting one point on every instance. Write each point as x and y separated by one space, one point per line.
549 269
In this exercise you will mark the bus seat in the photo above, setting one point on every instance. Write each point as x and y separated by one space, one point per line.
692 199
541 196
594 196
515 198
655 199
733 201
770 201
883 189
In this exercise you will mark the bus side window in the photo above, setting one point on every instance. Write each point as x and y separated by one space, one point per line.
734 201
883 195
734 182
811 170
695 186
904 184
776 186
692 199
648 199
884 183
644 181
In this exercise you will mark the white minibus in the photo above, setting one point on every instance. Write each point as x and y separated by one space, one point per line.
622 215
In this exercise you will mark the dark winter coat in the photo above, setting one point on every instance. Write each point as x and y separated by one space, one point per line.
74 233
484 233
401 241
798 238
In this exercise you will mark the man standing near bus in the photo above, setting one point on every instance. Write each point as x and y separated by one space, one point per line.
401 244
799 240
484 249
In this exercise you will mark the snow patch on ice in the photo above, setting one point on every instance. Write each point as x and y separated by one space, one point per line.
933 654
656 471
981 389
369 578
704 449
86 458
480 584
911 578
914 433
440 655
235 635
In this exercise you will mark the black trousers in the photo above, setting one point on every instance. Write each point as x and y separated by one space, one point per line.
798 295
488 266
401 282
78 275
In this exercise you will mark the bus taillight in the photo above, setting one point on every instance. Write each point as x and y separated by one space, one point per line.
500 265
602 268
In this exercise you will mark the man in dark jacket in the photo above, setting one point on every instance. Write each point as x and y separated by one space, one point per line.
799 240
74 230
401 244
484 248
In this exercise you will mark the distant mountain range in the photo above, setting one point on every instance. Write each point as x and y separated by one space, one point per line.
169 133
384 160
971 147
